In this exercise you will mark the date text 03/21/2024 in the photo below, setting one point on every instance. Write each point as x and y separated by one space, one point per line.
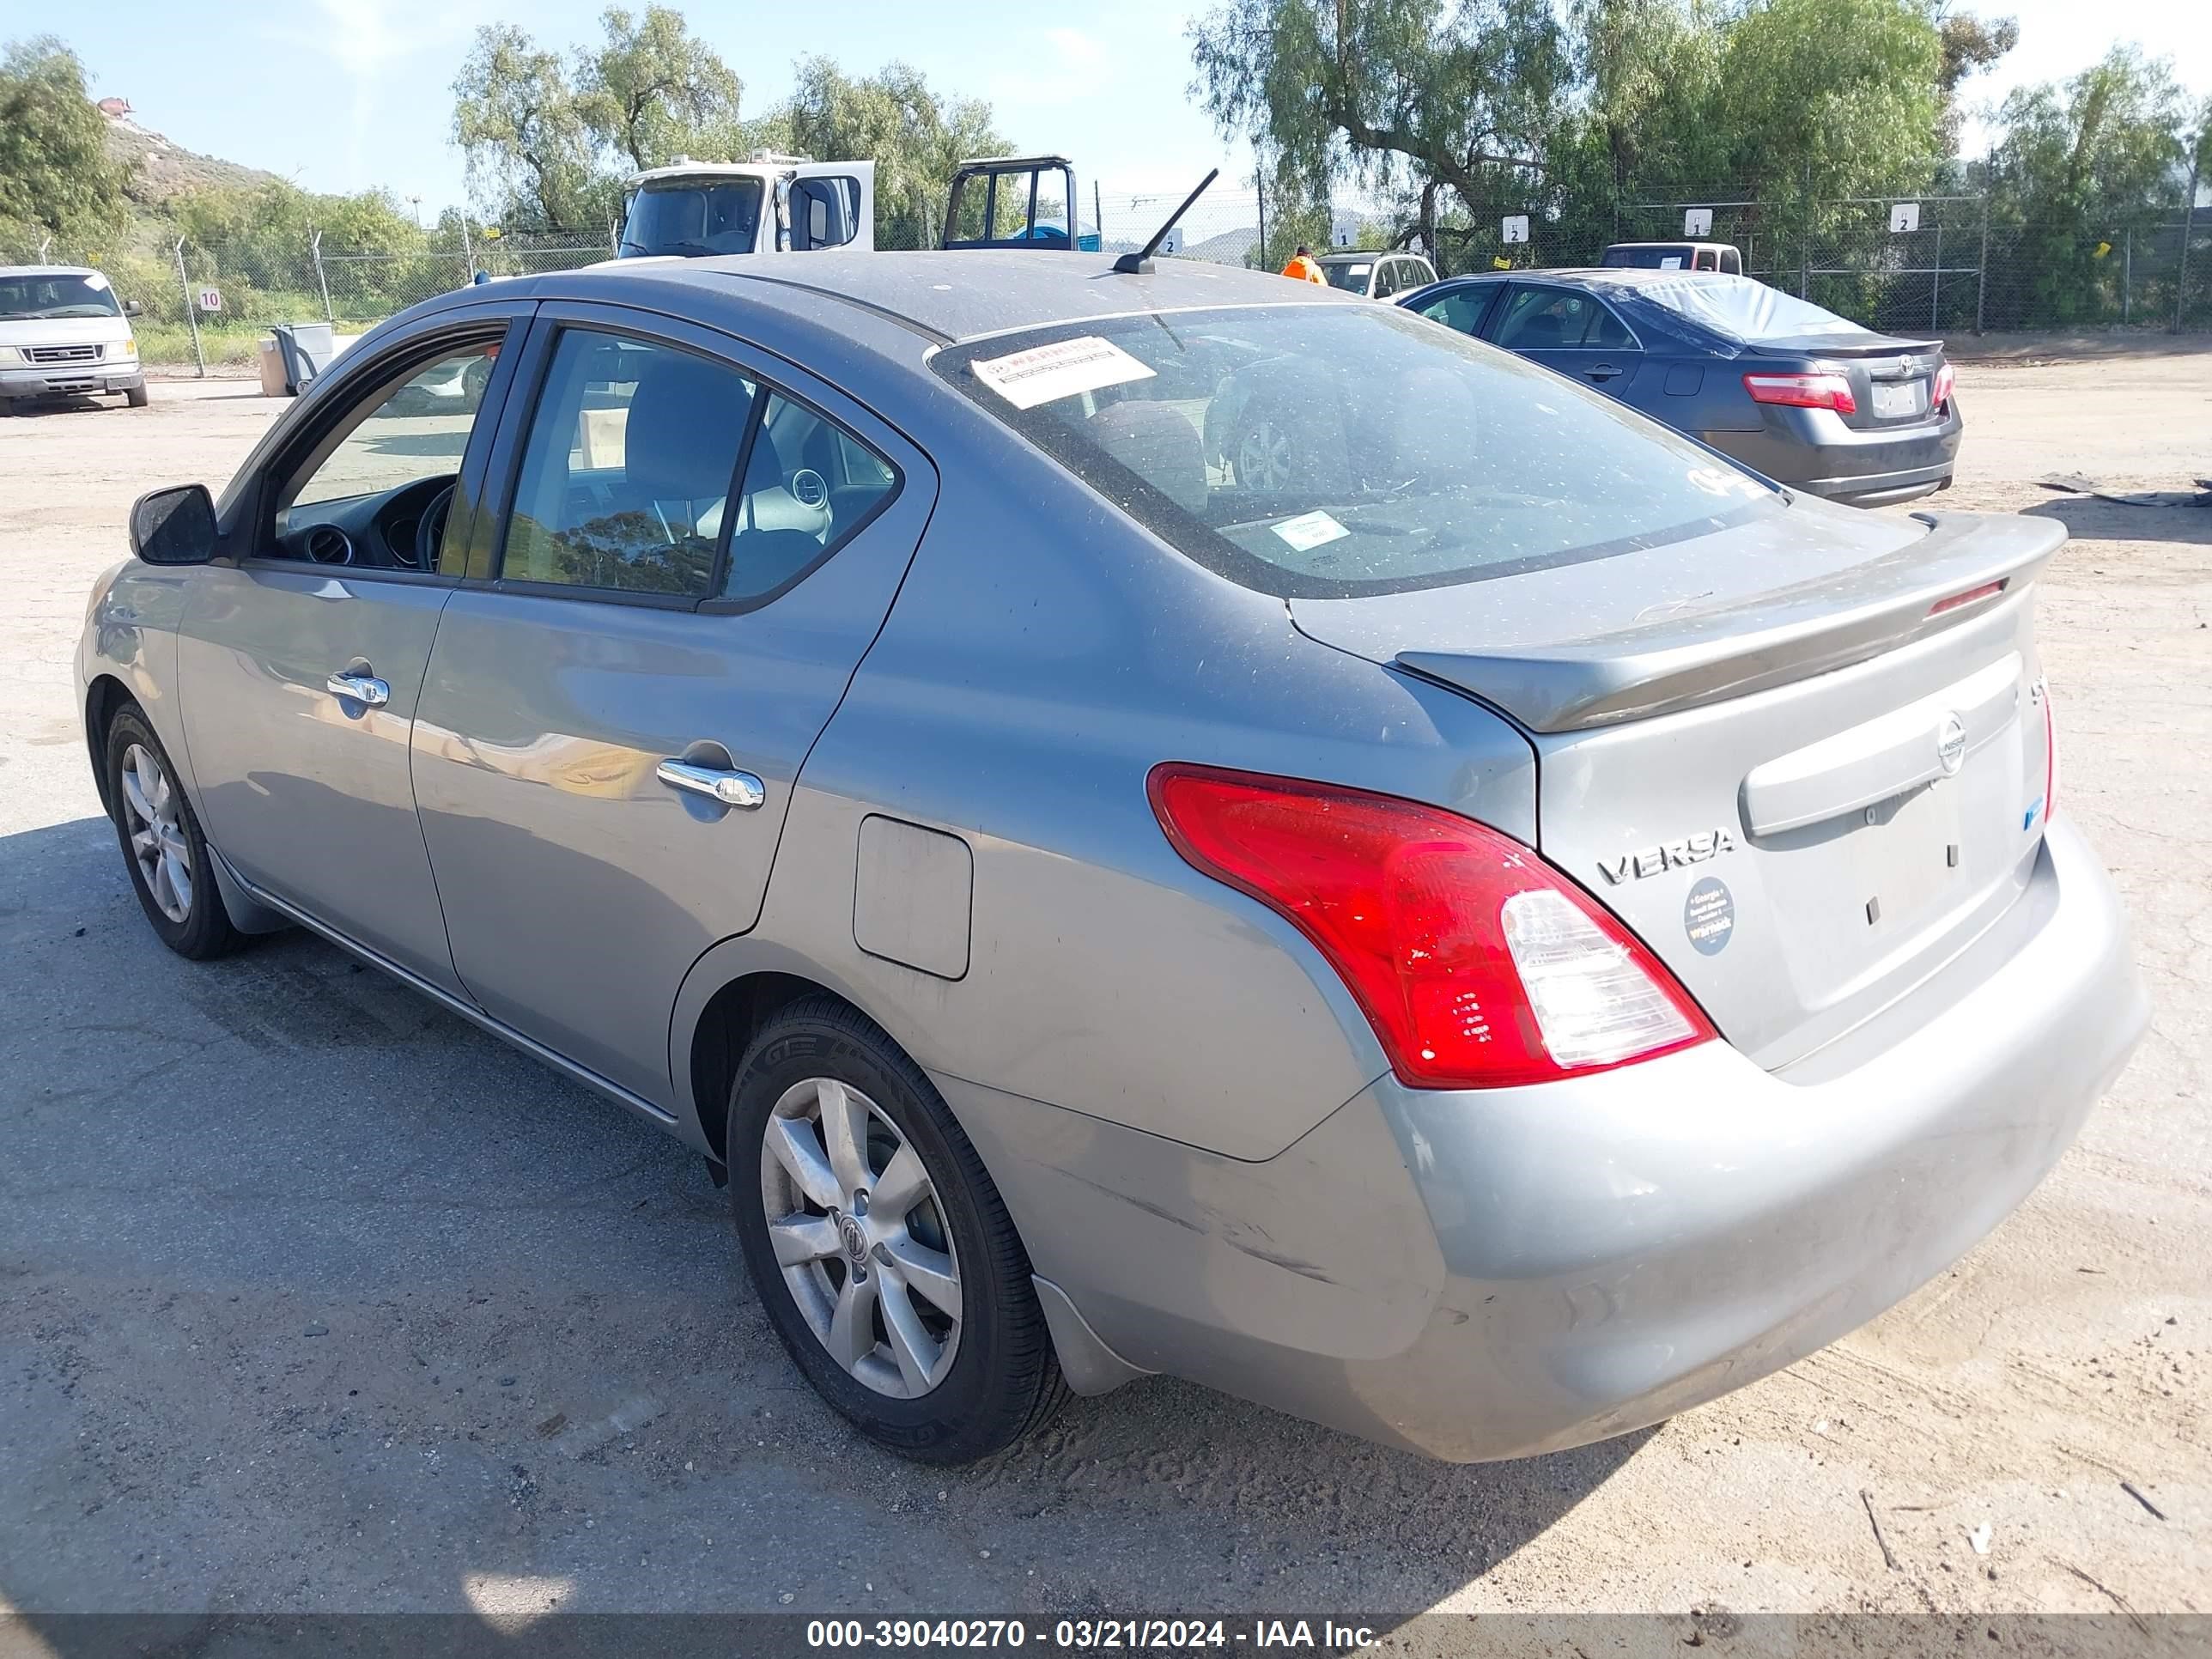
1314 1635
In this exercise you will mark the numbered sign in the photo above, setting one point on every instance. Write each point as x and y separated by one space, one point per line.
1172 242
210 299
1514 229
1697 221
1903 217
1344 231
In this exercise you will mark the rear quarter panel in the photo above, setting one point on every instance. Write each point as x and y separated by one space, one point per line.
1044 654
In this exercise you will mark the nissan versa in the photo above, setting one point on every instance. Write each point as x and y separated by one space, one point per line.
1149 821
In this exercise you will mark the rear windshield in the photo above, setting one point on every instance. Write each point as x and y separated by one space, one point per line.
1329 450
696 219
57 293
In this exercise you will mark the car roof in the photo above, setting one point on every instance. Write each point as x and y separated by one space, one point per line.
956 294
48 271
1345 255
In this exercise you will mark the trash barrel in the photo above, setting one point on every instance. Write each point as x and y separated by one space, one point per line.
306 349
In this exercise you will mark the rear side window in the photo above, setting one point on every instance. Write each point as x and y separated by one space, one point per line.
809 485
1327 450
628 464
1606 332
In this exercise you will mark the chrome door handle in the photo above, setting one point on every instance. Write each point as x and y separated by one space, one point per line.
361 688
728 788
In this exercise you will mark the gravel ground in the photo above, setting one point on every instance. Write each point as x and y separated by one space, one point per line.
312 1298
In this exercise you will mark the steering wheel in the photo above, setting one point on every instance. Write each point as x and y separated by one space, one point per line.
430 529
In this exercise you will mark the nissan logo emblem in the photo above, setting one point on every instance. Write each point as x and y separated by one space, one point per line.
1951 745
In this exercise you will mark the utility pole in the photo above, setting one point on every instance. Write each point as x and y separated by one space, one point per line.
2188 230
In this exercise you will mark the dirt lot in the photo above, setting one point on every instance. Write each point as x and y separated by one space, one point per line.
312 1297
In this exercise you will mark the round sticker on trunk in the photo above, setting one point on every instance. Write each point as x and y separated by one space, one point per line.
1709 917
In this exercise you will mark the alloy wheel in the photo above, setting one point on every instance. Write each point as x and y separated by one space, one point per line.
157 838
1263 459
859 1237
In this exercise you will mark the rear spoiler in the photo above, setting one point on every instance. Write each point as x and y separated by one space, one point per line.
1967 563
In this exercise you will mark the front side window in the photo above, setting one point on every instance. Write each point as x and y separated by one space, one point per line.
825 211
1352 278
1330 451
1461 309
1544 320
627 469
411 431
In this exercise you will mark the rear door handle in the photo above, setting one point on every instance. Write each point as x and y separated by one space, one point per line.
361 688
1603 371
726 785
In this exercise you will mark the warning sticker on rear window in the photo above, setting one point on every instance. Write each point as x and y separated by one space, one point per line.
1026 379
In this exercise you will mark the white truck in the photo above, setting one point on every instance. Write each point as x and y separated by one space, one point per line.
768 204
62 333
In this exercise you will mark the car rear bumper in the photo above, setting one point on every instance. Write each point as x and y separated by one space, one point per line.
1812 450
1487 1275
70 380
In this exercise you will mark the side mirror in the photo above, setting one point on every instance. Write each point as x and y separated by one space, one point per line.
174 526
132 308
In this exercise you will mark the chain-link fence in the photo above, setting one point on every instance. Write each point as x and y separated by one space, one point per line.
1944 265
1920 263
207 305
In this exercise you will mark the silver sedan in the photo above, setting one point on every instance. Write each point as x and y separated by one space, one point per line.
1148 821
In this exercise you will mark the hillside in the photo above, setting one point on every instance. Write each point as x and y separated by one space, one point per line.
162 170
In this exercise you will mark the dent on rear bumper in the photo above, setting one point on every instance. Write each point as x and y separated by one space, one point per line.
1491 1275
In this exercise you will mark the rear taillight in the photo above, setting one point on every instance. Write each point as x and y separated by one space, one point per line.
1947 382
1823 390
1478 964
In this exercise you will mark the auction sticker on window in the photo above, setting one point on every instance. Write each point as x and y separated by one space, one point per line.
1309 530
1026 379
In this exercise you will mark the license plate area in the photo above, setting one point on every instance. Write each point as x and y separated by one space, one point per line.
1899 399
1906 857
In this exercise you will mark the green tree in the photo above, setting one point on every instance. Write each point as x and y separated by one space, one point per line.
531 154
2081 164
1829 97
653 91
55 173
916 138
1381 90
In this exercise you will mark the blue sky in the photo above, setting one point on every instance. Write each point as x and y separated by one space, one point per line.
343 95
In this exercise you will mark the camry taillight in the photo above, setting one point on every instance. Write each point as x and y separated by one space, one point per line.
1823 391
1947 382
1478 964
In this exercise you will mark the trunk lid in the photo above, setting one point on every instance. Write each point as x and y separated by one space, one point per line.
1892 380
1778 753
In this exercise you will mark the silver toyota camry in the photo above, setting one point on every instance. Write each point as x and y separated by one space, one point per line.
1155 821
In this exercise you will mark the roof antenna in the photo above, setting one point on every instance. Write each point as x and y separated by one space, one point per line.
1140 265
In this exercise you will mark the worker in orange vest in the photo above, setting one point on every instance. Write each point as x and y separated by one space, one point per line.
1302 269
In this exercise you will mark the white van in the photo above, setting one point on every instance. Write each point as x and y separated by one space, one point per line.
770 205
64 334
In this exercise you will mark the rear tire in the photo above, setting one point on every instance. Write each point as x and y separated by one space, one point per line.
166 856
905 1263
136 396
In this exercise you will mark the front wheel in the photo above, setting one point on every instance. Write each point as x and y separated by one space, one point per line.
163 849
881 1251
136 396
